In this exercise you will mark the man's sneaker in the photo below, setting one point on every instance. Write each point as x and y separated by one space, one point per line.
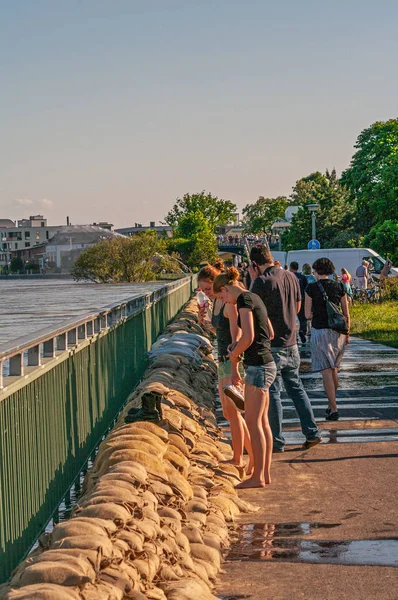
236 396
277 450
333 416
327 412
310 443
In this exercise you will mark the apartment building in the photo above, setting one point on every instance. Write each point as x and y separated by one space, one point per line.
24 234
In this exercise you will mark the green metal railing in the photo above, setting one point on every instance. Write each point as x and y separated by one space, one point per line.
52 418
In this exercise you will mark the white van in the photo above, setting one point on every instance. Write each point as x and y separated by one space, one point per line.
347 258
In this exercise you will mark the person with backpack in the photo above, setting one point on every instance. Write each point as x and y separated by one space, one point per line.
324 300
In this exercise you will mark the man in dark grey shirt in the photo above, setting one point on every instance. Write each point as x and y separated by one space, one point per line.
280 292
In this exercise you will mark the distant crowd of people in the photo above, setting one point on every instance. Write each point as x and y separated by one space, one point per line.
236 240
254 315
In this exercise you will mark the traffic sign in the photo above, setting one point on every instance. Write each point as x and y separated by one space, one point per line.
313 245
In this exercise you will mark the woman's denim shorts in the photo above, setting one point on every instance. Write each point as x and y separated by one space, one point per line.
261 376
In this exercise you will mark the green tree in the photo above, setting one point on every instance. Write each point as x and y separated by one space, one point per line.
138 258
372 176
16 264
384 239
215 211
333 219
258 217
198 247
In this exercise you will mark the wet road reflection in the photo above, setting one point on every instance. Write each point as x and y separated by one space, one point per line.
282 541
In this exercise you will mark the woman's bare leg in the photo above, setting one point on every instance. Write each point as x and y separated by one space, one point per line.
268 442
255 403
335 379
235 422
330 388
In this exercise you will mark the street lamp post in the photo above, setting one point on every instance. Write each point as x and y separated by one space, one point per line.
313 208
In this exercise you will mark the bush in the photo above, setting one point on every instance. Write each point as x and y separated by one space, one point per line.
390 288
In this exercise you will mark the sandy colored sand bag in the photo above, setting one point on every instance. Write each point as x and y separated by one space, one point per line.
149 529
178 442
148 567
152 464
193 534
134 539
168 511
201 481
203 552
101 591
154 593
73 572
162 491
196 516
129 467
200 493
114 512
196 505
187 589
86 542
178 483
243 505
105 455
116 481
141 426
178 460
106 524
42 591
226 505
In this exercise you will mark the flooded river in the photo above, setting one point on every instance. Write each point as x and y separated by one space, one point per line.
28 306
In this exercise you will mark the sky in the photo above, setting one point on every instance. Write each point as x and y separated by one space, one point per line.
111 109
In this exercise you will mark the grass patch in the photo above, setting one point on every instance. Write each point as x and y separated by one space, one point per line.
376 322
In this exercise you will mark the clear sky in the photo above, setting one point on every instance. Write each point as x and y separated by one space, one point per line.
110 109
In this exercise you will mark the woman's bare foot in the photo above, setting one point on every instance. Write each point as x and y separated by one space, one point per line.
252 482
267 480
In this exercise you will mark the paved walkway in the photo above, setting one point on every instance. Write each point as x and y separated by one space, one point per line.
328 525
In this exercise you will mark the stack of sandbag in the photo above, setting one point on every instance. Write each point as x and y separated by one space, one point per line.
157 505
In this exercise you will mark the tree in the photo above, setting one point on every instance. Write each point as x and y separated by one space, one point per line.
334 217
198 247
16 264
139 258
215 211
258 217
384 239
372 176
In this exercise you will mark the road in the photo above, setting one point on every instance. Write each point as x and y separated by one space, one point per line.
327 527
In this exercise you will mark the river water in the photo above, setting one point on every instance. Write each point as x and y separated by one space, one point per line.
28 306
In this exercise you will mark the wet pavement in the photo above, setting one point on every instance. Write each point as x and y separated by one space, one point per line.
327 527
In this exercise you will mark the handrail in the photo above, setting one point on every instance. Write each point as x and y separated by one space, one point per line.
73 331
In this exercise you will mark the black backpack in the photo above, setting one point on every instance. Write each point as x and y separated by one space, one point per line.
336 319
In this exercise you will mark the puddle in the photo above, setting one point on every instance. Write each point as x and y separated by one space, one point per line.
282 541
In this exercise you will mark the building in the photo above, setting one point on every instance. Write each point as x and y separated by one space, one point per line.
66 245
162 230
26 234
104 225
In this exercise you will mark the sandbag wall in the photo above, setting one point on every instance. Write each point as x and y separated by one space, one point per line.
157 505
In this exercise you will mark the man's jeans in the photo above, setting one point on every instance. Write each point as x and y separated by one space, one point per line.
303 325
288 362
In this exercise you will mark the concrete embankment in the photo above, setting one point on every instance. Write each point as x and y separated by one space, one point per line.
153 520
